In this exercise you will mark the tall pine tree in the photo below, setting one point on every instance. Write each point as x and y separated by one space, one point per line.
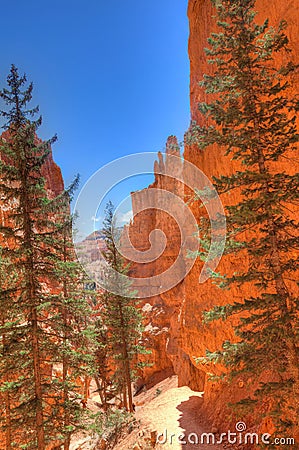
121 316
41 310
251 115
73 327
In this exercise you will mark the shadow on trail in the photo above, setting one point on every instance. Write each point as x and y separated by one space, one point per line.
195 428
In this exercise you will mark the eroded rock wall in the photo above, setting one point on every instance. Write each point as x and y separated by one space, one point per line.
180 335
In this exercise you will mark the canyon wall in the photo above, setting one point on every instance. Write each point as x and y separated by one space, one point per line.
174 318
50 170
162 324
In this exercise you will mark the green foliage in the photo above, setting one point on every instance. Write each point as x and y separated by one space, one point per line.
121 317
252 118
109 425
44 337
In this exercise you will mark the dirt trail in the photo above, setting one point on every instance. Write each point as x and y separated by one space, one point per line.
169 411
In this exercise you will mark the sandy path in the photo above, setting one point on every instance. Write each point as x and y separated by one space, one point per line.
170 411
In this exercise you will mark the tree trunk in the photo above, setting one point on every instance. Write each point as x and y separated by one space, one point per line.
125 398
37 381
129 385
32 303
65 362
8 421
67 440
8 434
287 302
126 361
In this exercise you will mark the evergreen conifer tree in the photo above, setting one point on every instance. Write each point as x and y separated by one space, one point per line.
251 114
102 362
121 316
73 327
41 312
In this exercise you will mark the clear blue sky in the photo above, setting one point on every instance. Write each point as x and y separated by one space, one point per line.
111 76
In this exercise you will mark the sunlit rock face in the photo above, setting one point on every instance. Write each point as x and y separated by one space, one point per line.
174 318
50 170
162 312
51 173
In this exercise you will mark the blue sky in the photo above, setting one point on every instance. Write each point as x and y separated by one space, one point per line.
111 77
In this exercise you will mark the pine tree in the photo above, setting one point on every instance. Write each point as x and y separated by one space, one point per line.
251 114
121 316
73 327
103 369
40 309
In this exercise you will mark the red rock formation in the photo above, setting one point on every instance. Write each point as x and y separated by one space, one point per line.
53 176
157 313
50 171
162 312
181 308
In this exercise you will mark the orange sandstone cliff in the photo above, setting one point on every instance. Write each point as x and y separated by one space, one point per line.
162 324
174 319
50 171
